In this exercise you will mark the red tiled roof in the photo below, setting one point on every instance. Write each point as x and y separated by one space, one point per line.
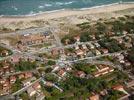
36 85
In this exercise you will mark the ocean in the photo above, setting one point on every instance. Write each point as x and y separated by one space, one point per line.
32 7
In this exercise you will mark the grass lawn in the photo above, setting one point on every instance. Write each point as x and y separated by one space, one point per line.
92 68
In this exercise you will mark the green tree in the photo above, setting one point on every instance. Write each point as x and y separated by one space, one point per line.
50 62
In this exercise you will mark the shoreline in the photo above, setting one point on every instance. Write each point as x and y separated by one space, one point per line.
59 10
68 12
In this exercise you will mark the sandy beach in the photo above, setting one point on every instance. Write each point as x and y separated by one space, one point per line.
65 13
66 17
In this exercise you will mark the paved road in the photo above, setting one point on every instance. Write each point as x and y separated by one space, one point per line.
20 72
25 88
95 57
55 31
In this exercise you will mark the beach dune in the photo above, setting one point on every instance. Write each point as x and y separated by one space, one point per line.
66 13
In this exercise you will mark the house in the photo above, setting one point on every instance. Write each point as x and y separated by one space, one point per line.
94 97
6 88
97 52
15 58
111 69
12 79
119 88
2 80
28 74
128 45
4 92
103 92
76 47
6 84
28 81
1 71
104 51
62 72
20 46
79 52
101 35
110 33
119 40
124 32
6 65
55 68
93 37
80 74
97 44
77 38
67 41
4 53
20 76
49 84
127 63
120 57
102 70
96 74
12 69
55 51
40 96
31 91
7 71
91 46
36 86
68 68
84 47
29 39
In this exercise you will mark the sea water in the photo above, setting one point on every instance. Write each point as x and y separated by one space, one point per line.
32 7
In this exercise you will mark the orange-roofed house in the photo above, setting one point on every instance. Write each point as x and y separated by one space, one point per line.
15 58
6 84
28 74
77 38
62 72
2 80
31 91
6 65
117 87
120 88
55 52
20 76
36 86
80 74
79 52
30 39
102 70
94 97
49 83
104 51
7 71
12 79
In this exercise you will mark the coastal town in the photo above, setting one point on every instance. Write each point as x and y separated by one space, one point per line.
93 60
